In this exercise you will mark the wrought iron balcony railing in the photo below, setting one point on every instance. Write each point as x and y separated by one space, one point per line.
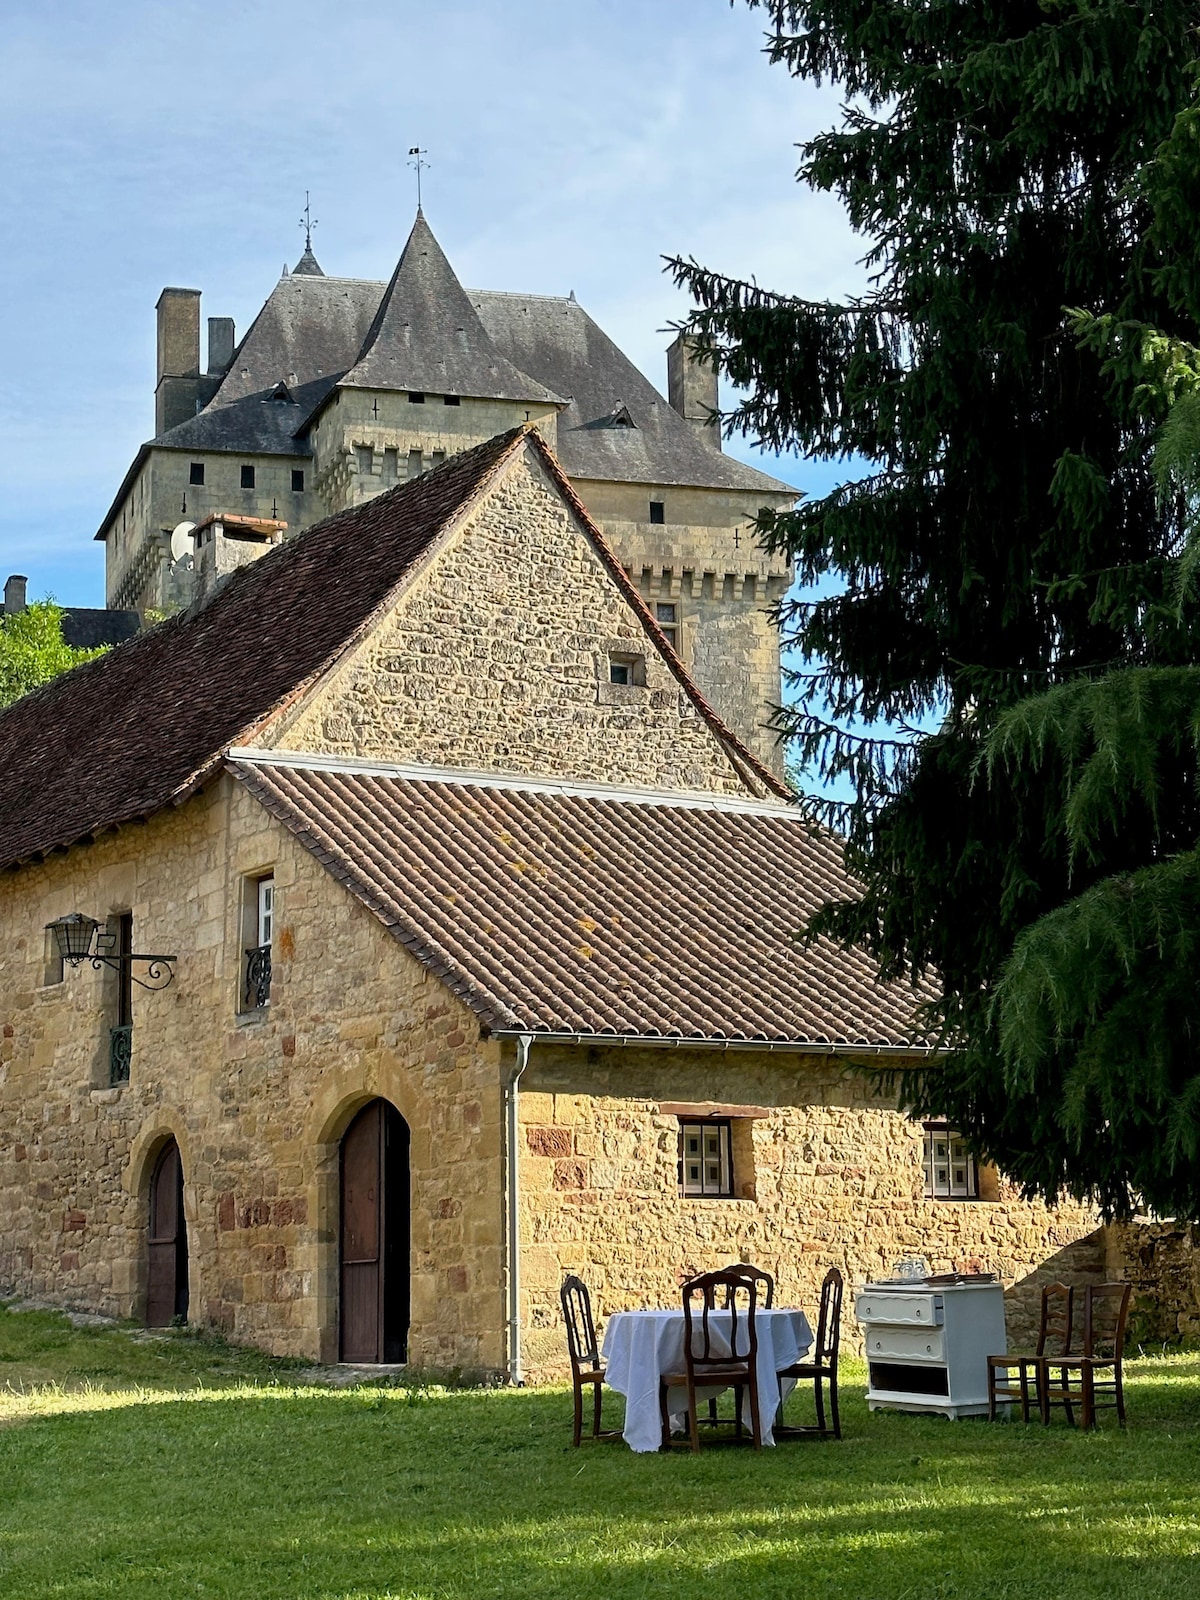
120 1050
258 977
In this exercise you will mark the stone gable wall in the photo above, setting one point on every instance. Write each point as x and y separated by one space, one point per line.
496 659
831 1177
257 1104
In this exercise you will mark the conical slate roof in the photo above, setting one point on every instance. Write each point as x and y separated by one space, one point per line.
308 266
428 336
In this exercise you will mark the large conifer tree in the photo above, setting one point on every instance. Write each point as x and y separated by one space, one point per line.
1005 162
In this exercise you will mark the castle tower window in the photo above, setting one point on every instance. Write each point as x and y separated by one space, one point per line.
415 464
450 400
658 511
247 477
297 480
416 398
667 617
196 472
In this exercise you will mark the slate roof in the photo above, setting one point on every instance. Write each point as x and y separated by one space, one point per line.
86 627
315 331
556 339
587 914
427 335
143 726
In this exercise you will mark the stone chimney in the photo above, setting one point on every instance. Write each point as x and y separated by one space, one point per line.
220 345
14 594
692 390
177 389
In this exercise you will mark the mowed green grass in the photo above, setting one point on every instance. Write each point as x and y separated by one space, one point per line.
178 1467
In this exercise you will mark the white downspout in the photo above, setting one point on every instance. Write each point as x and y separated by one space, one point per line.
513 1231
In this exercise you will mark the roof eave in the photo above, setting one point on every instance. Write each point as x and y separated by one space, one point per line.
662 1041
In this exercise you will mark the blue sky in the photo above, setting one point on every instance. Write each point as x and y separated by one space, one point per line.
571 147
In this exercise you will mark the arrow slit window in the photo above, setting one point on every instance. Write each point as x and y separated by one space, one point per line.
705 1158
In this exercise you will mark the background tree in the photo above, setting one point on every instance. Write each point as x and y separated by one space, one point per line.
1005 162
32 650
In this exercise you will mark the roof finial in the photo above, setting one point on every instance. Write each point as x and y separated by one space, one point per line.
419 163
307 223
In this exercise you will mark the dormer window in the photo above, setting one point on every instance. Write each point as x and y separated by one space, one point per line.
416 398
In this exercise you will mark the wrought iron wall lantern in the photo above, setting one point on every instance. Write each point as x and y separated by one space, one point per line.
78 939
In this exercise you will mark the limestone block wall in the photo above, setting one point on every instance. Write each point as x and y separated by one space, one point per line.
830 1177
1162 1261
705 559
496 658
256 1102
136 551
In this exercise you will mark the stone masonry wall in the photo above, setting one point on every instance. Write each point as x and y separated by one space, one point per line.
831 1177
257 1102
496 659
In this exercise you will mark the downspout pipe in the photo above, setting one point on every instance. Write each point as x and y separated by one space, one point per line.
512 1239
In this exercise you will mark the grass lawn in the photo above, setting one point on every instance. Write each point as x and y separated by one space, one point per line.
171 1467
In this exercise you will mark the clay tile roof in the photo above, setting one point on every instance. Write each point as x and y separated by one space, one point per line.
141 727
565 909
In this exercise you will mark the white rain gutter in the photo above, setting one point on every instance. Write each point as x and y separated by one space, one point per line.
699 1042
512 1183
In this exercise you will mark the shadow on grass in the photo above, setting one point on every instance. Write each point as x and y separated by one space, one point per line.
369 1493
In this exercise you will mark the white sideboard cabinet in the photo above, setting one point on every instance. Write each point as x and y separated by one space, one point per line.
927 1344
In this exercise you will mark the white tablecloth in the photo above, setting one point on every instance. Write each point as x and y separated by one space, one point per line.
641 1345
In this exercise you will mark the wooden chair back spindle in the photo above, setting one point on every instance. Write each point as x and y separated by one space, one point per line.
582 1345
1105 1314
766 1283
1056 1329
705 1344
829 1320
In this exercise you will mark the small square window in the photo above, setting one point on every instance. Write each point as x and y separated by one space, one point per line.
705 1162
297 480
247 477
450 400
196 472
658 511
950 1169
627 670
416 398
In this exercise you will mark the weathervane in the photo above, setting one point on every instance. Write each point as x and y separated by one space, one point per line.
307 223
419 163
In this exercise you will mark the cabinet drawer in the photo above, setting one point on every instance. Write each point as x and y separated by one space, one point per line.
923 1310
887 1342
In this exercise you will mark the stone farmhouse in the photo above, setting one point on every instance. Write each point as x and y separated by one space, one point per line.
343 388
481 922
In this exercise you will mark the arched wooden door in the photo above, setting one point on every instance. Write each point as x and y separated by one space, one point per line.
374 1301
167 1288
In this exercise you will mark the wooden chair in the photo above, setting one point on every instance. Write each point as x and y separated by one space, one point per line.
1054 1339
586 1366
720 1346
822 1368
766 1283
1070 1380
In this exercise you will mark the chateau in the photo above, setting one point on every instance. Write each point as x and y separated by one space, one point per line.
342 389
479 918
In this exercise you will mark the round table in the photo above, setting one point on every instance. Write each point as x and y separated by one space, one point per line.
639 1346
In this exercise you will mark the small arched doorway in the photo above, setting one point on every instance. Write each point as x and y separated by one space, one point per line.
167 1279
374 1257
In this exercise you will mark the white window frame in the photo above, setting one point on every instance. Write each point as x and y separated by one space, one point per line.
706 1171
264 891
951 1171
